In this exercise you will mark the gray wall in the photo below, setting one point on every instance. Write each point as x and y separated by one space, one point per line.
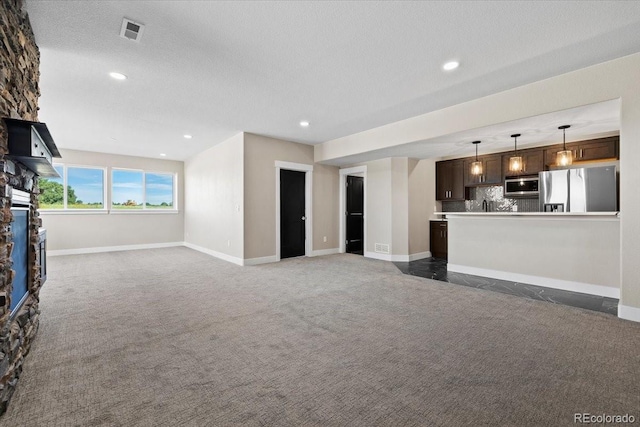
422 195
260 155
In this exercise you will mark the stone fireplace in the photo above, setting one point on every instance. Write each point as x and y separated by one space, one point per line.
19 91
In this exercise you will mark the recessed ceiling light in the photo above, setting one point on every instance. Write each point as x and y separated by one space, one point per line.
163 155
187 136
451 65
118 76
304 123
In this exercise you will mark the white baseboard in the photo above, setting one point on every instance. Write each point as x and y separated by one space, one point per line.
397 258
80 251
216 254
629 313
261 260
566 285
322 252
229 258
419 255
375 255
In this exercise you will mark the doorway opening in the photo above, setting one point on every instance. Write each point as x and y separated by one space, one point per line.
292 213
353 210
294 219
355 215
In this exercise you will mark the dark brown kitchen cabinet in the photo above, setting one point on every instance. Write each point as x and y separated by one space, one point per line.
594 149
606 148
532 162
438 239
491 171
450 180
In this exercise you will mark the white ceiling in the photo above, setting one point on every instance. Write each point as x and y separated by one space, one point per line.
588 121
212 69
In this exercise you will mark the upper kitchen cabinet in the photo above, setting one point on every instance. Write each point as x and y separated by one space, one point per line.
594 149
532 162
491 171
450 180
605 148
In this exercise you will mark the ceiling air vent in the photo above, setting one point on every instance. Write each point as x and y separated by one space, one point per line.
131 30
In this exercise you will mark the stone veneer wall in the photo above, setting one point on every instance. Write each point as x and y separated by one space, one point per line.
19 92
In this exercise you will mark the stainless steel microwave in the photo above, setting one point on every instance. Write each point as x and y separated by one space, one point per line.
521 186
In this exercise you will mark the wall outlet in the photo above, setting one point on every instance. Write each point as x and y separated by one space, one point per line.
324 239
228 243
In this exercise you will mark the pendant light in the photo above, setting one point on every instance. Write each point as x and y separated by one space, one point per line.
564 157
476 167
515 161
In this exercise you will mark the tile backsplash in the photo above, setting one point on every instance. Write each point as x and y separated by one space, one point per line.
496 202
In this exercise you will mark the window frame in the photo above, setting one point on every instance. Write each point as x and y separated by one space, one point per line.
145 209
107 193
65 182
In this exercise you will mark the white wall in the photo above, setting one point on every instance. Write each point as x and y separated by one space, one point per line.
582 253
86 230
400 197
609 80
214 201
378 207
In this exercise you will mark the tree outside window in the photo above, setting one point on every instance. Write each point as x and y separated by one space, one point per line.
84 190
52 191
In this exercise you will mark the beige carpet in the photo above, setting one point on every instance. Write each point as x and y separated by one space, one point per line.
172 337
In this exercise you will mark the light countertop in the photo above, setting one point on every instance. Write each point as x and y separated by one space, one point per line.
550 215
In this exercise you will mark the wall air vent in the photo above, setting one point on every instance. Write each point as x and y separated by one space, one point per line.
131 30
382 248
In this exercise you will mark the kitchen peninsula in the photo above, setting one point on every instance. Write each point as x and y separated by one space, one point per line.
578 252
490 233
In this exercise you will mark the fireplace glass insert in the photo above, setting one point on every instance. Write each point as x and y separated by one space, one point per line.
20 250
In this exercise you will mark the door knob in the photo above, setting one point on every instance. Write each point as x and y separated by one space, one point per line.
304 218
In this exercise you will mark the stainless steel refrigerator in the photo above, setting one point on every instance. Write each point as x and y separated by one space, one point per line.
589 189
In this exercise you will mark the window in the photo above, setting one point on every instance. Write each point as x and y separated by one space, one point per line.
159 190
126 189
52 191
137 190
78 188
85 188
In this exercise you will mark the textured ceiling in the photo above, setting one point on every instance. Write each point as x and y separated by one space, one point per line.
212 69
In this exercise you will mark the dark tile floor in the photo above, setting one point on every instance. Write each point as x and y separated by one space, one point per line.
435 268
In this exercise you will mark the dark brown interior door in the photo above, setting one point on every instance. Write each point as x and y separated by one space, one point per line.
355 215
292 213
